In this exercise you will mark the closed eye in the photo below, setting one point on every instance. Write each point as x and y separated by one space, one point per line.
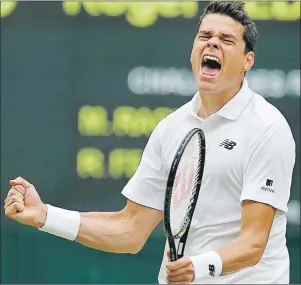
228 41
204 37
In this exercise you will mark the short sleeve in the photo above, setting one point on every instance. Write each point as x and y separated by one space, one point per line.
147 186
269 167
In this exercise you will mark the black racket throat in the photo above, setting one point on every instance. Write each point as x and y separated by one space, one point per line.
177 252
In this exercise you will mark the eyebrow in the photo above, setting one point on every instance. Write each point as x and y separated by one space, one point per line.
222 35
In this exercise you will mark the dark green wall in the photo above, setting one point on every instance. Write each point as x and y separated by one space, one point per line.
52 65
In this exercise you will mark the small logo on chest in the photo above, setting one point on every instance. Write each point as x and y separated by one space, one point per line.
227 144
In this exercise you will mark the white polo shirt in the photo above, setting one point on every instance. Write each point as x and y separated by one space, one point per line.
250 154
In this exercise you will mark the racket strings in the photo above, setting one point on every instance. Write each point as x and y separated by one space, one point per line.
185 186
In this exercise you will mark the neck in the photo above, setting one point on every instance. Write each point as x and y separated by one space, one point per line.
212 102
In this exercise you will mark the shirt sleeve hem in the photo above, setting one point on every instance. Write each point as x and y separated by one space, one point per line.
274 204
142 201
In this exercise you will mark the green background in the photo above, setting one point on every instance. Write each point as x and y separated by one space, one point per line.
51 65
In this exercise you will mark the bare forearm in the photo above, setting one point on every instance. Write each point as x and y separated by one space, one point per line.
111 232
240 253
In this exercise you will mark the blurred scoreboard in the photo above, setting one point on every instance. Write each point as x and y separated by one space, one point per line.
126 122
146 13
83 84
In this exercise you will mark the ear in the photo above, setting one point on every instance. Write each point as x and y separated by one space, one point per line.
249 61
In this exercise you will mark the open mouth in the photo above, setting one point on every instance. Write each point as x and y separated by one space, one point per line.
210 66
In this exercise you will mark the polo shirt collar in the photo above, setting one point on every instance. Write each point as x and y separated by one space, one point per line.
233 108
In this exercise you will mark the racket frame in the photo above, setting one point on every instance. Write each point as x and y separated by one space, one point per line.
176 253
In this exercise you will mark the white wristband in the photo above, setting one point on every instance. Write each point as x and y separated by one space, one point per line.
207 264
62 223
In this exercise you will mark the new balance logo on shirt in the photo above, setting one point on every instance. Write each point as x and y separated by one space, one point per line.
227 144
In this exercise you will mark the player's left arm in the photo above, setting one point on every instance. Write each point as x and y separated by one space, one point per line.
266 190
246 250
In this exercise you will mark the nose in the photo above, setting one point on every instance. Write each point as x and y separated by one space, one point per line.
213 43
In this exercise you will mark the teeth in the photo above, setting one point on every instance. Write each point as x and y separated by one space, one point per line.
206 57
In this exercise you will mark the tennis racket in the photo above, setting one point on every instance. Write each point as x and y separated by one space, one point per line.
182 190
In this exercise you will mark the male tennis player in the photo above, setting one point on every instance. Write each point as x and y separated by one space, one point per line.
237 235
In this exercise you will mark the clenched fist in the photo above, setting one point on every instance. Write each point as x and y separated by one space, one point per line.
24 205
180 271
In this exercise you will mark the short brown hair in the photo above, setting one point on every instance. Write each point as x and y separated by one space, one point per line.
235 10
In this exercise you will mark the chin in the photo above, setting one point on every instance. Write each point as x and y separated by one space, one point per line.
208 84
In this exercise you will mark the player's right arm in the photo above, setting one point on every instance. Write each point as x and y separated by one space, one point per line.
125 231
120 232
